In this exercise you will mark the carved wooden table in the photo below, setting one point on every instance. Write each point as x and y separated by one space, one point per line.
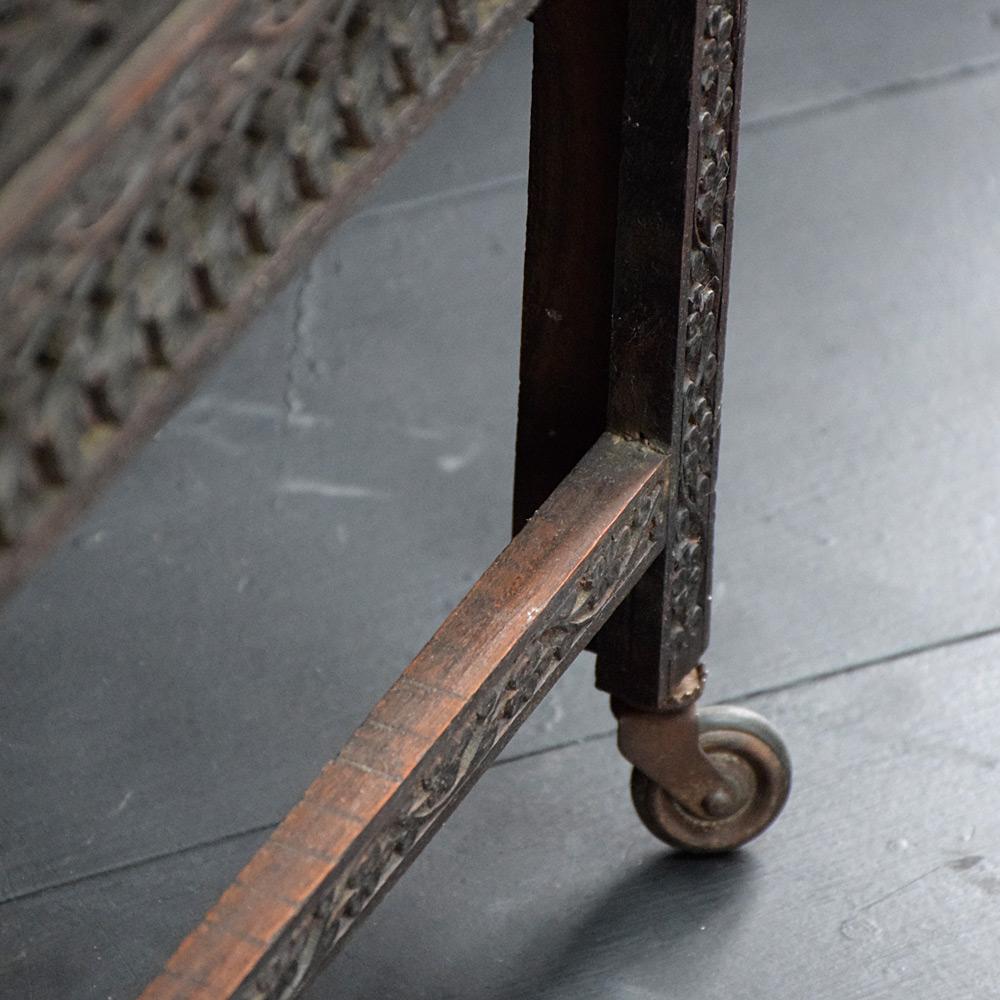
165 165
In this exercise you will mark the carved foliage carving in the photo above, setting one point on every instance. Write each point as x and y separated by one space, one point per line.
124 274
703 332
441 780
52 52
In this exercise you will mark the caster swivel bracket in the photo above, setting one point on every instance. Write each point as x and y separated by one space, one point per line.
665 747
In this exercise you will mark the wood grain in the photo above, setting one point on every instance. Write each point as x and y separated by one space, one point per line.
852 481
881 520
880 881
875 859
402 772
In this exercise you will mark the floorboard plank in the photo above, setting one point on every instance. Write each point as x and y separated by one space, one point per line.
879 882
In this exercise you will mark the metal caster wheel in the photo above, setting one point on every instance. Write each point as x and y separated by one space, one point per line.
751 756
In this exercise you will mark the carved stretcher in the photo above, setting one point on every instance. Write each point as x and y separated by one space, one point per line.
165 165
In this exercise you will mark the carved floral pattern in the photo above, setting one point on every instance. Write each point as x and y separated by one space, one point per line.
120 279
487 722
52 54
703 336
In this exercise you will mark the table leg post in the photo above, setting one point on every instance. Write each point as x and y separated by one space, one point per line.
671 276
577 90
672 246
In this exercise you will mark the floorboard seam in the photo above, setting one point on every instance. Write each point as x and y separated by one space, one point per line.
876 661
438 197
894 88
798 683
136 863
750 124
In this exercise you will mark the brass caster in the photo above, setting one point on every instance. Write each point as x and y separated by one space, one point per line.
756 771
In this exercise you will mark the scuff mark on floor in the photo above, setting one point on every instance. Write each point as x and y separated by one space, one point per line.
210 437
455 462
333 491
121 805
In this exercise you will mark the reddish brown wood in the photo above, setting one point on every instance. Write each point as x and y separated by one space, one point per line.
402 772
53 169
576 107
624 165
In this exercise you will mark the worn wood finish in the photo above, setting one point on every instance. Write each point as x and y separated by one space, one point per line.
138 240
671 279
402 772
577 84
53 55
884 520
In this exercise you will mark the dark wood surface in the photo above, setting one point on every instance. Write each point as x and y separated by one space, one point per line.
880 880
672 271
251 569
577 90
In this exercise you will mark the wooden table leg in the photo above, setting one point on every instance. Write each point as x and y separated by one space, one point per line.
635 109
576 106
675 205
671 278
633 149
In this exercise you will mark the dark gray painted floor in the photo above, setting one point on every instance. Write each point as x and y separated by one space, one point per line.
231 609
882 880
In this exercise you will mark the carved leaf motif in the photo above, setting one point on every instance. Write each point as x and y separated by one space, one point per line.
486 723
265 122
700 398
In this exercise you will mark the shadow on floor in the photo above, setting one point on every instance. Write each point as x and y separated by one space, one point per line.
691 904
